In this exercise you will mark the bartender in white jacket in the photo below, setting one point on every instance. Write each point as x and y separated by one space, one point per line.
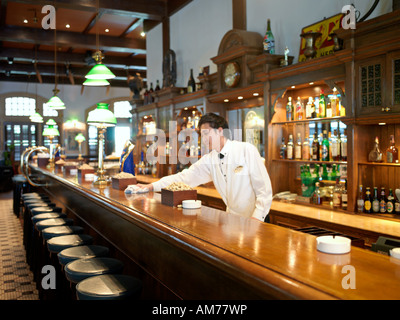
236 169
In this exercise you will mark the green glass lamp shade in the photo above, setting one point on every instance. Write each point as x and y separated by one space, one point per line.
55 103
50 131
101 116
96 82
51 122
80 137
36 117
100 71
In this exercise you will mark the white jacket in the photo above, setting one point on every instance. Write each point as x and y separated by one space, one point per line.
246 189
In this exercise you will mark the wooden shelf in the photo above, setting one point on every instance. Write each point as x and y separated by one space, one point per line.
382 164
310 161
332 119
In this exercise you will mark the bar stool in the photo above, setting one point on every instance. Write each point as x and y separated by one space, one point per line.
81 269
109 287
20 183
58 231
54 246
81 252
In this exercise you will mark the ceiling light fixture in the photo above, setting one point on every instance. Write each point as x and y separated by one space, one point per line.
99 71
25 21
55 102
107 30
240 98
143 34
67 26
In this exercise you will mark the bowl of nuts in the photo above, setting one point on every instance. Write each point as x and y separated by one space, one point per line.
176 192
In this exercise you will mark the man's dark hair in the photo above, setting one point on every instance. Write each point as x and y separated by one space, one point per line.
214 121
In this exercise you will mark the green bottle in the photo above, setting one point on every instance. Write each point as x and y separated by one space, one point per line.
375 201
325 148
324 172
269 40
390 203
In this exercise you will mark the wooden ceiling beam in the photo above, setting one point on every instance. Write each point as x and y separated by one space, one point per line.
65 38
144 9
72 58
135 24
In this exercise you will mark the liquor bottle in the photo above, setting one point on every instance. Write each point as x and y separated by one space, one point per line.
167 149
376 154
397 206
337 195
335 104
392 153
333 175
289 110
322 106
390 202
146 95
154 170
330 145
360 200
191 87
335 152
375 201
342 109
317 196
297 148
368 201
329 108
344 196
151 90
343 146
325 148
290 148
141 163
313 108
306 149
315 148
282 151
324 172
308 108
383 201
315 174
299 109
157 85
269 41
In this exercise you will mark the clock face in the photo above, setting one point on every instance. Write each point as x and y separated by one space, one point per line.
231 74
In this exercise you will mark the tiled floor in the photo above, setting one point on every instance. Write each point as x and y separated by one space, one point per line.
16 280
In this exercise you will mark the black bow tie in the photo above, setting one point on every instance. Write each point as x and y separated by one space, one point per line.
221 156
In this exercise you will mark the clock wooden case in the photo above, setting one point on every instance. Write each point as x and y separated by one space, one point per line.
236 49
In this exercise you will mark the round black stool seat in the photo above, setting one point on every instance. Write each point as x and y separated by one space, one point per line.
81 269
52 232
35 200
57 244
37 204
81 252
43 224
39 210
48 215
109 287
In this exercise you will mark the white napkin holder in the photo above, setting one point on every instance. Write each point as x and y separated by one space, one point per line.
191 204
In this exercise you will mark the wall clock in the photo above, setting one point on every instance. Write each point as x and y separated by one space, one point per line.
231 74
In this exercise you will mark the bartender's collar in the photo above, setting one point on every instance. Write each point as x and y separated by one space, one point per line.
226 147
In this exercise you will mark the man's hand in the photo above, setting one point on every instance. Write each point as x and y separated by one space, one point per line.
143 186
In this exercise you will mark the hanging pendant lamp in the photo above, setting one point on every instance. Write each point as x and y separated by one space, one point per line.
96 82
36 117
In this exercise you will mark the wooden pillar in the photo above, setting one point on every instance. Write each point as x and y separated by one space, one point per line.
165 35
239 20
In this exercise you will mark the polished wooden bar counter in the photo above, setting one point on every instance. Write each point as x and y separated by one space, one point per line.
210 254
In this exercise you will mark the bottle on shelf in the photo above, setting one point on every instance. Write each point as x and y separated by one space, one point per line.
191 87
322 106
289 110
335 104
376 154
383 201
335 147
297 148
397 206
390 202
325 148
283 150
315 149
329 112
337 195
342 109
325 173
308 108
344 196
269 40
343 146
151 90
368 201
313 108
145 95
375 201
317 196
392 153
157 85
315 174
306 149
299 109
290 147
333 174
360 200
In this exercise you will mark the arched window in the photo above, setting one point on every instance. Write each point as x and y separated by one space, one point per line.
20 106
123 128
